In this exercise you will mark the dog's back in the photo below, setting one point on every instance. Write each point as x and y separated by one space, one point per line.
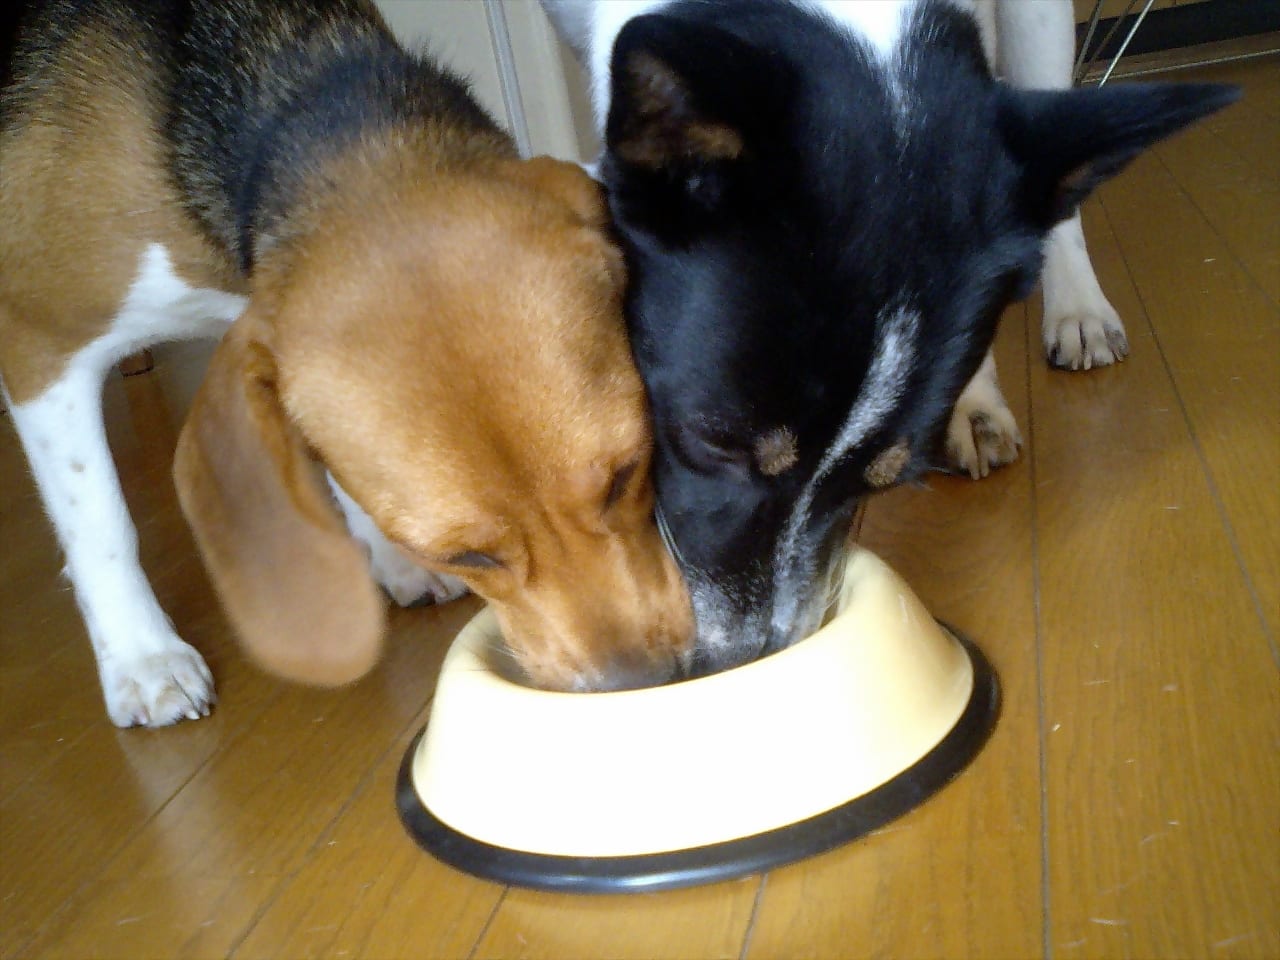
243 127
148 108
383 257
230 89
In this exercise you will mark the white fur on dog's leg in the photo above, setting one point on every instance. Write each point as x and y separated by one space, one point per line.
407 583
1081 329
149 676
982 434
159 689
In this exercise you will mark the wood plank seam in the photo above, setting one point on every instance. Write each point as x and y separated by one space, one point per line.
484 929
1240 258
755 906
131 836
1035 354
1205 465
361 786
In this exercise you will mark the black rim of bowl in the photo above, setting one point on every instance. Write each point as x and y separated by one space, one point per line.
730 859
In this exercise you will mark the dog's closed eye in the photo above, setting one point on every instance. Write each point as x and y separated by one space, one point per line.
621 480
472 559
711 452
714 455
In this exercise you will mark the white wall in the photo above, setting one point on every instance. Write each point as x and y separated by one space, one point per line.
517 68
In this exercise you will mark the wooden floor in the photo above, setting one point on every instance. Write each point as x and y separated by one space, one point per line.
1123 576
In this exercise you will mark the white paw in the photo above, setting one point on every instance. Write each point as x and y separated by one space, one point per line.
982 434
407 583
1081 329
410 585
157 689
1085 338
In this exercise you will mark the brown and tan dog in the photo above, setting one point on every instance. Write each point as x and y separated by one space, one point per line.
434 322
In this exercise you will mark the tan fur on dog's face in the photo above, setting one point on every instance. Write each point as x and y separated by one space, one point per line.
459 364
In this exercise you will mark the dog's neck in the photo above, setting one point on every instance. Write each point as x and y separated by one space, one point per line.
252 133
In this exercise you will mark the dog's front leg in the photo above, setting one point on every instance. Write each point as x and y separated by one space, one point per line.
1081 329
982 434
149 676
407 583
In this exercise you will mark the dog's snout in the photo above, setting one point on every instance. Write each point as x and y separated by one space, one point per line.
625 624
651 658
606 672
632 673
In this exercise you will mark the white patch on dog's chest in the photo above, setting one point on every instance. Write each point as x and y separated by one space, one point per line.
160 305
879 24
607 21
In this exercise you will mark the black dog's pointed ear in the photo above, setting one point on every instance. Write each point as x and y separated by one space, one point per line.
667 113
1068 142
655 122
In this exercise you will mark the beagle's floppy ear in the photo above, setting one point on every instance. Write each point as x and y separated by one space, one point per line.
295 585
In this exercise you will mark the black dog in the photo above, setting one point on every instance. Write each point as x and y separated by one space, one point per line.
824 216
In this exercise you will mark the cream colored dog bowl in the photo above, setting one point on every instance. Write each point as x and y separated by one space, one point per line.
706 779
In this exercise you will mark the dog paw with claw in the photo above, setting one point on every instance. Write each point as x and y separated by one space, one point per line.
158 689
1082 340
1081 328
405 582
982 434
409 585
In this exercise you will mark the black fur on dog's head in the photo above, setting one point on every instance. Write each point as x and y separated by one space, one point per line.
821 243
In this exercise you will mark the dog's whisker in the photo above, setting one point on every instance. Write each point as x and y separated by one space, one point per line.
665 532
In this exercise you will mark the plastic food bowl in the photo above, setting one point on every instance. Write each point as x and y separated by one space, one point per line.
706 779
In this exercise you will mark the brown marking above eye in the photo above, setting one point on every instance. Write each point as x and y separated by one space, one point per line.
888 464
713 141
776 452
